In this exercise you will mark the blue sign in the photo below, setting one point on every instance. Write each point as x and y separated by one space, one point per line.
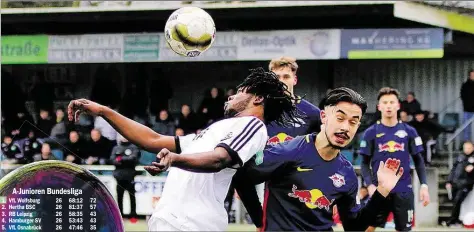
392 43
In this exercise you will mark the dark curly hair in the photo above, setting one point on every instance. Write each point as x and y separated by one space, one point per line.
344 94
278 104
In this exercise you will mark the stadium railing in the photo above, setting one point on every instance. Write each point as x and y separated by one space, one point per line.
450 140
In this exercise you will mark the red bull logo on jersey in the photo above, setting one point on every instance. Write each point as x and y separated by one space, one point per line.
337 180
313 199
279 138
391 146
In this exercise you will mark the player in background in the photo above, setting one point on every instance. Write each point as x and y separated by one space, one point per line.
308 175
285 68
195 200
391 138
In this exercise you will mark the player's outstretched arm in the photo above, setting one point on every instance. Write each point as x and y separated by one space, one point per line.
272 163
416 148
367 173
355 218
248 193
205 162
135 132
245 137
367 151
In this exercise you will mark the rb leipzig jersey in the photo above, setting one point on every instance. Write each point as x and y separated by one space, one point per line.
302 188
401 141
309 124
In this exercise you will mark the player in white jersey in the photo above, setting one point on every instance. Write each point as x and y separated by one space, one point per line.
201 166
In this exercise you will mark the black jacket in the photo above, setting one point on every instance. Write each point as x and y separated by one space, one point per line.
31 146
458 177
125 157
77 149
467 95
411 107
100 149
12 151
427 129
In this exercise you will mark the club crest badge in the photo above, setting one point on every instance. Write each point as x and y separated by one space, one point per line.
337 180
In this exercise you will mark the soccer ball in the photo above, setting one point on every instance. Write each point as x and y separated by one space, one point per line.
190 31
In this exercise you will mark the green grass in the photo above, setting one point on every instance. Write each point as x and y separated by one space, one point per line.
142 226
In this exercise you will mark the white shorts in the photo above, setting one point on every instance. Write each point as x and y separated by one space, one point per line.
158 224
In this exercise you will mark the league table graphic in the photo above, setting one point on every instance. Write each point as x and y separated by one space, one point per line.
56 196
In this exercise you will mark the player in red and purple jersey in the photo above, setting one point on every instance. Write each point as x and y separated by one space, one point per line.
308 175
285 68
391 138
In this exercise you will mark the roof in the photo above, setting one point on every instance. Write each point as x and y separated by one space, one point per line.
461 7
94 6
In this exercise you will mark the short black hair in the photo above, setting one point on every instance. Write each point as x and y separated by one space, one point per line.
389 91
279 105
344 94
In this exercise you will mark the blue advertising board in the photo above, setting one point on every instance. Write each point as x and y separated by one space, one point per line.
412 43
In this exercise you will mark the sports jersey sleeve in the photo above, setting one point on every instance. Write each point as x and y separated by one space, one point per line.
244 139
367 142
314 119
264 166
312 112
354 216
366 147
183 141
416 144
270 163
248 194
416 147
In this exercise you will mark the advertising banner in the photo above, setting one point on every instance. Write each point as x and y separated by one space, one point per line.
392 43
30 49
141 47
224 48
265 45
416 43
301 44
148 191
97 48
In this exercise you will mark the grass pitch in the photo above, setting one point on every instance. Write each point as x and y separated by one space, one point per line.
142 226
